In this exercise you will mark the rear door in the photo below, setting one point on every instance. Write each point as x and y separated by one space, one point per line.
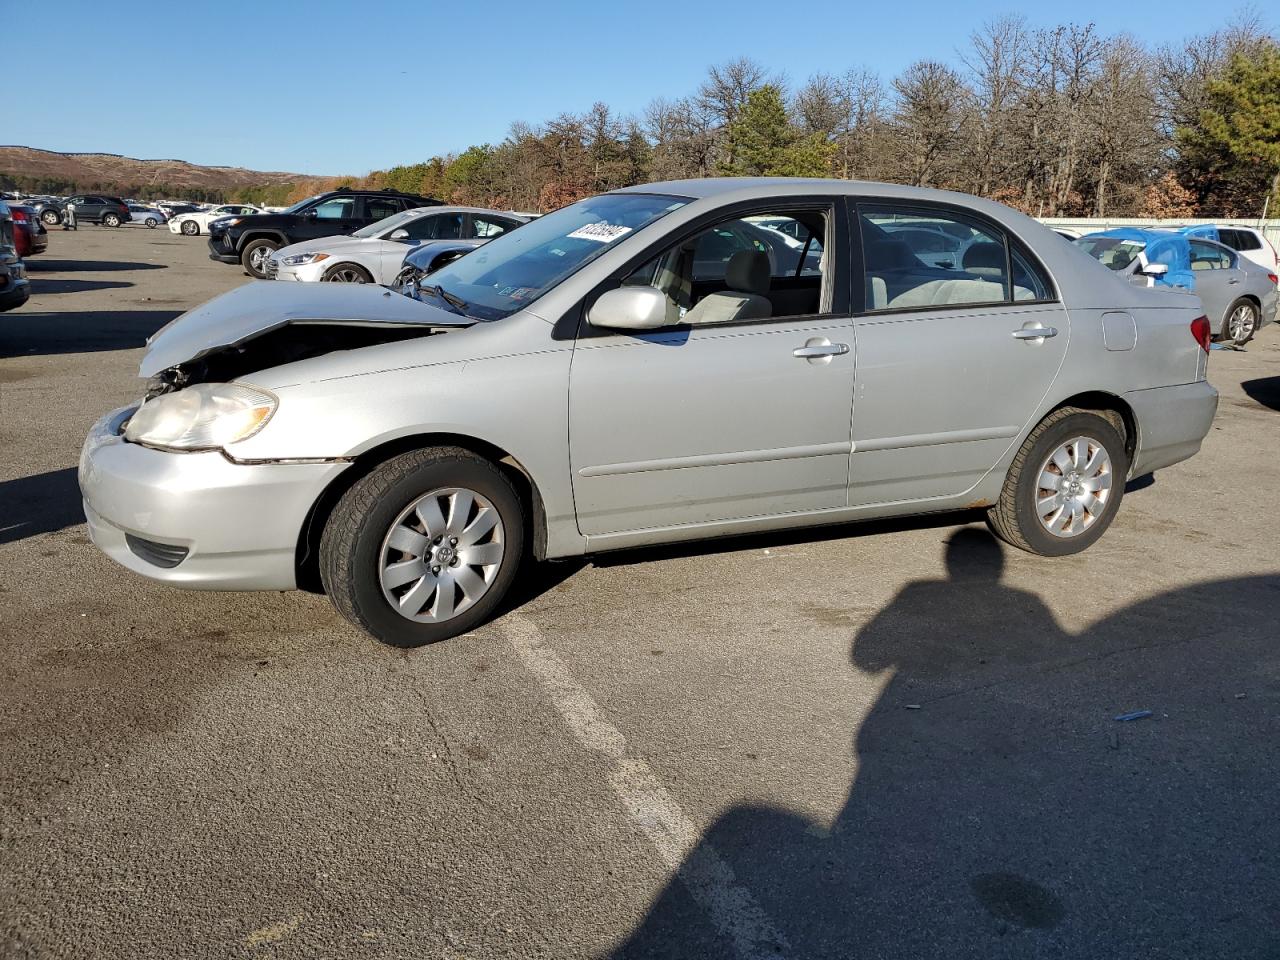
953 361
1218 279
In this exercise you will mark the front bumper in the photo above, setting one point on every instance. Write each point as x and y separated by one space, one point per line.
311 272
1172 423
239 524
222 248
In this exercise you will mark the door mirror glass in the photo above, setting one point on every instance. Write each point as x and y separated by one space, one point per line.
630 308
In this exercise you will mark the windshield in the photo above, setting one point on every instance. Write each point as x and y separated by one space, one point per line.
388 223
1111 251
510 272
300 204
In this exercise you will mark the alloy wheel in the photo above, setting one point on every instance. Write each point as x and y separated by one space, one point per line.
441 554
345 275
258 260
1074 486
1241 322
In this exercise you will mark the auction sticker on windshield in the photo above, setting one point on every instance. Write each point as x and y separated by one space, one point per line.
600 232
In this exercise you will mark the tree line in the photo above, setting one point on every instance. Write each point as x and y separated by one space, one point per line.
1064 121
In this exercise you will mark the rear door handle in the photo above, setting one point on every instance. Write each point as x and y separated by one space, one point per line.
820 349
1035 333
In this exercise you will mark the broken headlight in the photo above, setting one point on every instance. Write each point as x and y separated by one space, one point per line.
204 417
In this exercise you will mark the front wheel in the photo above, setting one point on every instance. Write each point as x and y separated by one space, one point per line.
425 547
50 218
190 228
111 220
348 273
1241 322
256 256
1065 484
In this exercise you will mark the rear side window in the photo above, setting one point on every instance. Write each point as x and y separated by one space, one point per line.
924 258
1244 240
1208 256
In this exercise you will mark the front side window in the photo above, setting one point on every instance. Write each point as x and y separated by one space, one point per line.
742 270
512 271
1112 252
338 208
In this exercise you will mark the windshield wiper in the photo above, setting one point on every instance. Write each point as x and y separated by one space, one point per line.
440 292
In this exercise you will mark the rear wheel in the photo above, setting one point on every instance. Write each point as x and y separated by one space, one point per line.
256 255
348 273
151 223
1065 484
190 228
423 548
1241 322
111 219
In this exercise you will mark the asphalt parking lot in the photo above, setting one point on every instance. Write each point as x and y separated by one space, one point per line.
892 740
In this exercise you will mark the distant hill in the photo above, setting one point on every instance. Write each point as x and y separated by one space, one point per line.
26 168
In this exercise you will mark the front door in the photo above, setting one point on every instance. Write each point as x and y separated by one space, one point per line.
713 419
953 359
337 215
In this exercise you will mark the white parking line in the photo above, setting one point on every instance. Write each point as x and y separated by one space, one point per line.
649 806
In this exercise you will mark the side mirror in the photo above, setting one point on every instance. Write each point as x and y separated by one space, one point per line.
312 213
1155 269
401 234
629 308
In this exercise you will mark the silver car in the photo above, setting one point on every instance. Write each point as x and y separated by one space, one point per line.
376 253
626 371
1239 295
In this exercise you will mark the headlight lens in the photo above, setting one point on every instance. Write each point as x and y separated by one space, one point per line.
204 417
298 259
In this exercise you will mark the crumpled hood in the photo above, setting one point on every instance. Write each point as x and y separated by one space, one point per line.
263 305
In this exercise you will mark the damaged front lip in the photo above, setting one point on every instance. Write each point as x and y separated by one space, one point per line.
259 307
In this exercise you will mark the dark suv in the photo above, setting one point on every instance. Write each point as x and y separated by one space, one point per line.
250 240
96 208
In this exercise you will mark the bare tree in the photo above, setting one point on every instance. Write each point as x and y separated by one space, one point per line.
928 119
997 66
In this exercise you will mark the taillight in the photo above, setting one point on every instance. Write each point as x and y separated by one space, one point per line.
1200 330
19 216
1273 278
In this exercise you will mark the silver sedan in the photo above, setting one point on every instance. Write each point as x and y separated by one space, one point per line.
641 368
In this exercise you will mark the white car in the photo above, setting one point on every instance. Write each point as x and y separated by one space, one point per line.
194 224
1251 243
375 254
150 217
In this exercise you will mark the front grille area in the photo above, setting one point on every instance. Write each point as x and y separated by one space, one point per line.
273 268
157 554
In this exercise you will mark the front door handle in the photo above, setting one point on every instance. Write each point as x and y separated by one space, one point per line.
1039 334
821 349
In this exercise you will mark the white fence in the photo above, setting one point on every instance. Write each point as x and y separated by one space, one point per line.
1269 228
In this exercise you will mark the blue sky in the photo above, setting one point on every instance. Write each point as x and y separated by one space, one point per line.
337 87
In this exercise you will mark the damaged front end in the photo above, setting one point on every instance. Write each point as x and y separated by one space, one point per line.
267 324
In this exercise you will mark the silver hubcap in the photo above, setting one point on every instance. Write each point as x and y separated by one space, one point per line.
1241 323
1074 487
346 275
189 228
441 555
258 259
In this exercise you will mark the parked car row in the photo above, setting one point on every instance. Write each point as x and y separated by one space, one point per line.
1239 294
15 289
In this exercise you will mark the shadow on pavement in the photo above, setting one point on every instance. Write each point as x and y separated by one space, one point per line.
1264 390
40 286
999 810
42 265
25 334
39 504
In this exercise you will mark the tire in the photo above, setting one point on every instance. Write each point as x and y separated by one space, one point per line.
254 257
1242 315
50 218
357 555
347 273
190 228
1015 518
111 219
151 223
